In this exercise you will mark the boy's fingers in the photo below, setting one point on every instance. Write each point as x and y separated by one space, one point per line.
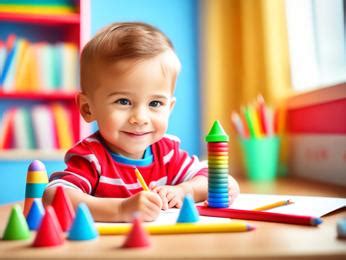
174 203
164 203
155 199
170 196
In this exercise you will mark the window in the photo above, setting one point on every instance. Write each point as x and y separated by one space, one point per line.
316 35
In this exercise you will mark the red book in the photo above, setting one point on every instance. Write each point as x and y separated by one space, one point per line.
6 130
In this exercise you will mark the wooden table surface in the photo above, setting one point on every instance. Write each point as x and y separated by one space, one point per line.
268 241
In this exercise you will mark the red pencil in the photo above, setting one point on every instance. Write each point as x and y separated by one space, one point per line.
258 215
261 107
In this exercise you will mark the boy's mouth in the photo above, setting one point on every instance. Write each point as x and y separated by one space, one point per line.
136 134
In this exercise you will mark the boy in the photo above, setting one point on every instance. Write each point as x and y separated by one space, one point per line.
128 76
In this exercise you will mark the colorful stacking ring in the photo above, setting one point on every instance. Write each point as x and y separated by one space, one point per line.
217 167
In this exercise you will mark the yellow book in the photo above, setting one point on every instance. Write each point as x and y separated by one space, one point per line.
21 81
63 126
31 9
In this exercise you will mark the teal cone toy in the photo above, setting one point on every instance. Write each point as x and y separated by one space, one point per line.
188 212
83 227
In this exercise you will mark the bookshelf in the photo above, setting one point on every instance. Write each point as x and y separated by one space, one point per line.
54 28
57 29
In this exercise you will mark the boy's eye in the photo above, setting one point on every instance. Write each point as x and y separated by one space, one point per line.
123 101
155 103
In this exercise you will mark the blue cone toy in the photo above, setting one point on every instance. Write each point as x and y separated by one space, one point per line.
188 212
35 215
83 227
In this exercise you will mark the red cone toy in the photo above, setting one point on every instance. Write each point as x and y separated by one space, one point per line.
63 208
137 237
49 232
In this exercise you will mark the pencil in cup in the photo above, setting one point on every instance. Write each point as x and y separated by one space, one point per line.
259 215
179 228
141 180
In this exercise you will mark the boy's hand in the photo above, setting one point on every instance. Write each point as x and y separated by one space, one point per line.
233 189
147 203
171 196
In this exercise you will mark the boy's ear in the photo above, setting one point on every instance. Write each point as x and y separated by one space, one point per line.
171 106
84 107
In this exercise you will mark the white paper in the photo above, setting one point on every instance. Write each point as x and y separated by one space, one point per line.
170 216
302 205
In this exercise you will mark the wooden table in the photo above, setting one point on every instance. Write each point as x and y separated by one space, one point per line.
268 241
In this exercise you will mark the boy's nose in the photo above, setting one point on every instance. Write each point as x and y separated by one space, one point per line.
139 117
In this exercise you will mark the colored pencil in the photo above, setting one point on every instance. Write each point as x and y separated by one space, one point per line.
261 110
274 205
141 180
246 128
259 215
249 122
179 228
238 124
255 120
270 121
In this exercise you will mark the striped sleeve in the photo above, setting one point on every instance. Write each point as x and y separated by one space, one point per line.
183 166
82 172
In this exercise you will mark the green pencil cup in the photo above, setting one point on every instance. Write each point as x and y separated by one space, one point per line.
261 157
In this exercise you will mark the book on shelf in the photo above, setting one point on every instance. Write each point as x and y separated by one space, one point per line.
45 134
43 127
6 129
39 66
21 138
63 126
2 55
9 50
13 69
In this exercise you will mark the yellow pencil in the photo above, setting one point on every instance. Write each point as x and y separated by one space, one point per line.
141 180
274 205
179 228
255 121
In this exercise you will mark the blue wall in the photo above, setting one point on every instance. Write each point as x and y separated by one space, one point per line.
13 178
178 19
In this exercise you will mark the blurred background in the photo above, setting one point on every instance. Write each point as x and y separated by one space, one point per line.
231 52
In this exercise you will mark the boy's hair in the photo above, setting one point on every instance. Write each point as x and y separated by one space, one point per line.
124 41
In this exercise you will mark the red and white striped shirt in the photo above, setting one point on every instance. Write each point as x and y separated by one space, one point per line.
91 168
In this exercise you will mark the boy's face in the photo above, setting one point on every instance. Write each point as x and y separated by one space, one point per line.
131 107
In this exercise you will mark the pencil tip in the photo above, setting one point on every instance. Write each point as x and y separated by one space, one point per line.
250 227
316 221
289 202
